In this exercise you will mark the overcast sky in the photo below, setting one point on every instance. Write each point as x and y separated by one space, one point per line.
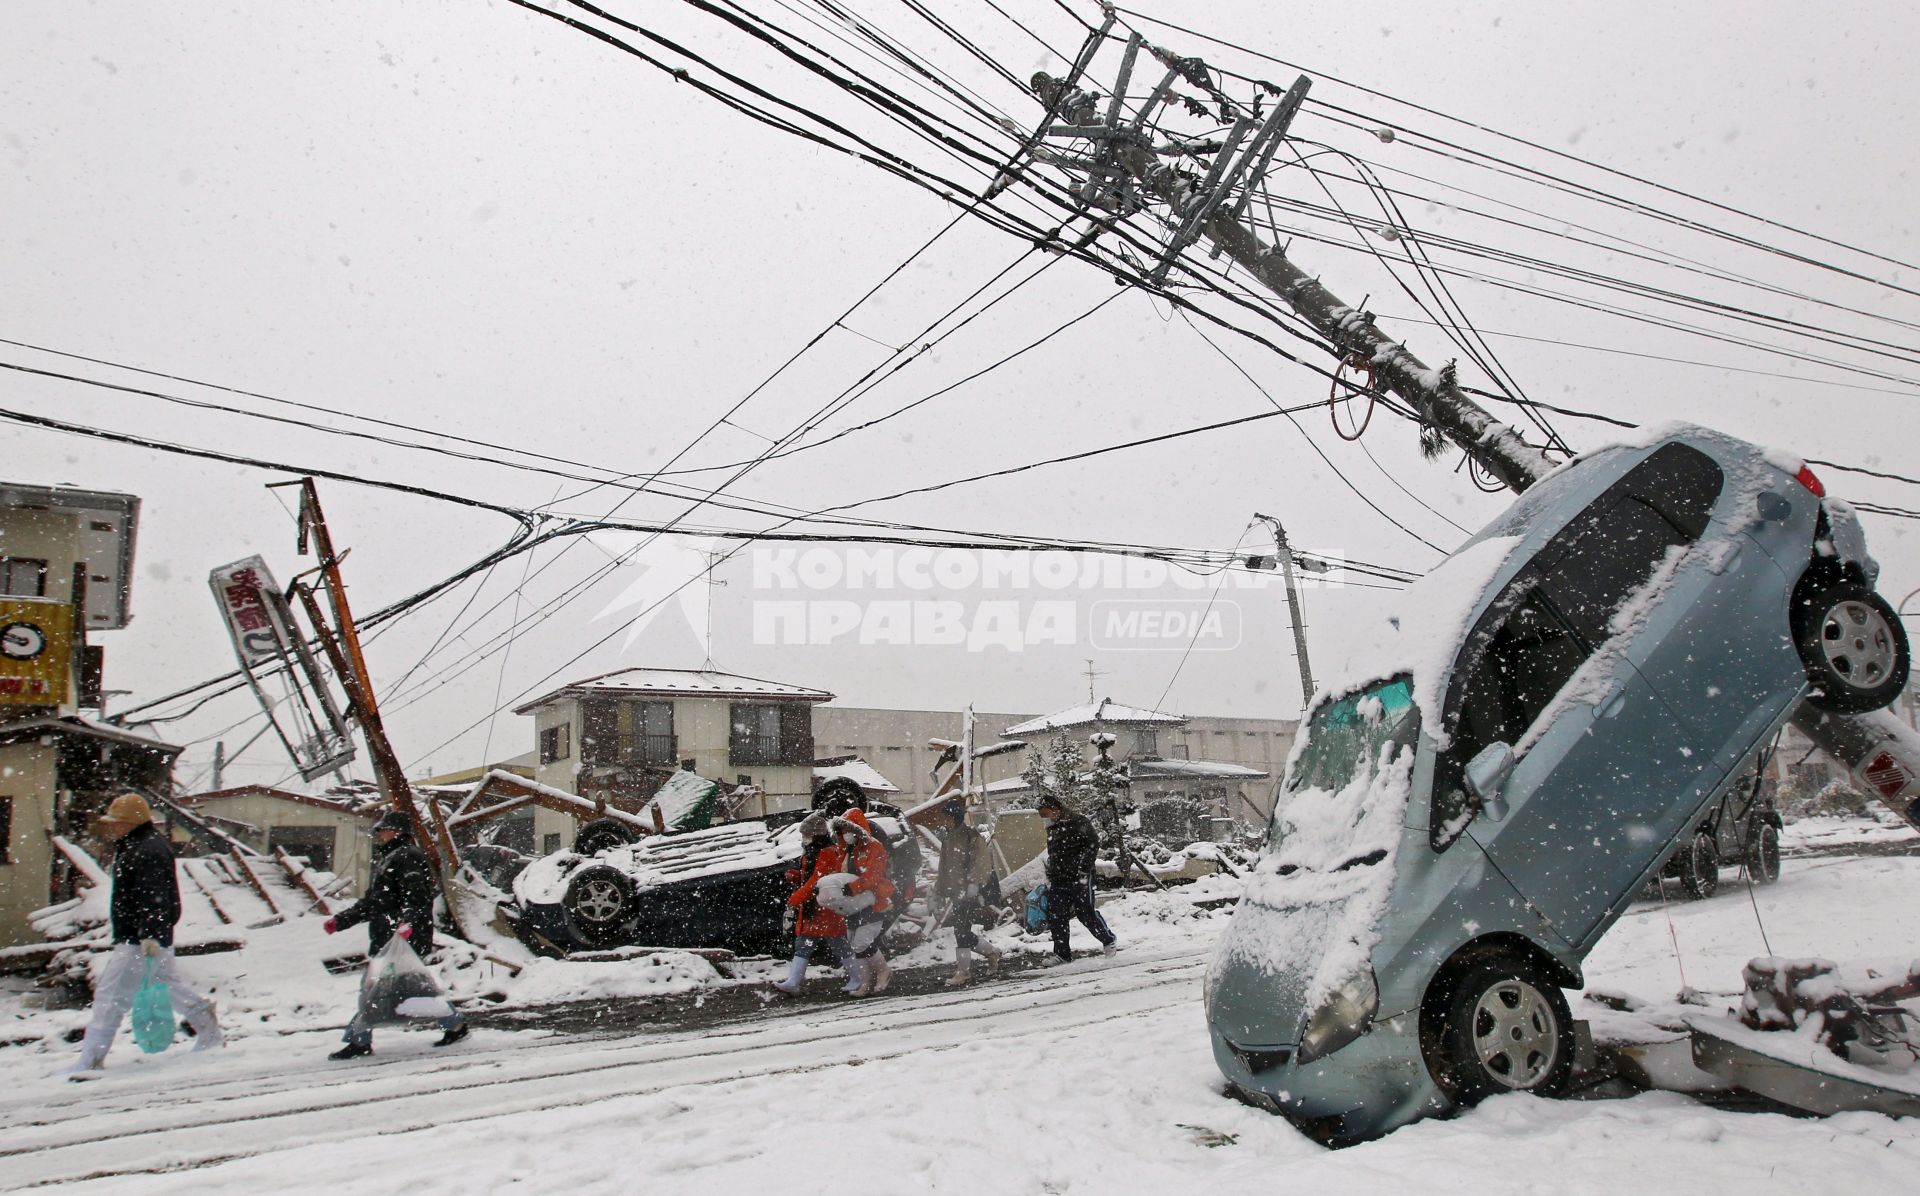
471 219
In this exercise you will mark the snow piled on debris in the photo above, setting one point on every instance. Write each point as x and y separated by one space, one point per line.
651 974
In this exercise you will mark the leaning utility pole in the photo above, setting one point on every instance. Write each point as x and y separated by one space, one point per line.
341 643
1285 552
1123 171
1201 210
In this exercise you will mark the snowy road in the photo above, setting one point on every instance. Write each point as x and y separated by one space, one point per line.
1094 1080
195 1110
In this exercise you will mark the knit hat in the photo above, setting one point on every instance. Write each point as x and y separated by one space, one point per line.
393 820
1050 802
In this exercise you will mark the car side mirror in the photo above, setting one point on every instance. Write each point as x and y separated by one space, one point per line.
1487 774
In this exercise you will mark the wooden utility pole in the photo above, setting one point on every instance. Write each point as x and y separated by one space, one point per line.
341 643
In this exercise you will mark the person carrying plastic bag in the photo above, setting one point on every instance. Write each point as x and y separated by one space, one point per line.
144 907
399 987
400 894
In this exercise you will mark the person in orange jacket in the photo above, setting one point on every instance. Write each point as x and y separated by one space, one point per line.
814 924
865 858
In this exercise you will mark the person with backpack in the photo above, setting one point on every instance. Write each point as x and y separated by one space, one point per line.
966 885
143 909
814 925
400 894
1072 848
865 858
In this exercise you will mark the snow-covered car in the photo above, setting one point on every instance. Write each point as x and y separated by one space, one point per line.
1552 713
725 886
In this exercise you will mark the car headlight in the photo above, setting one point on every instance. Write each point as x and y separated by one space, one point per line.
1342 1017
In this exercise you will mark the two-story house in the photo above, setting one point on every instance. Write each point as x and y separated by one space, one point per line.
617 737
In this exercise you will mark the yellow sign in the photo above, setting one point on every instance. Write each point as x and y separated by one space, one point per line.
36 652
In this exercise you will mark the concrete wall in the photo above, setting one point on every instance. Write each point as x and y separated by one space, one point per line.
48 536
27 772
895 743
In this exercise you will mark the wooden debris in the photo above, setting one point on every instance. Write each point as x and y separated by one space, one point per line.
253 879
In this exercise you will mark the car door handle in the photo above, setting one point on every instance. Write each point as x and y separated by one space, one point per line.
1613 703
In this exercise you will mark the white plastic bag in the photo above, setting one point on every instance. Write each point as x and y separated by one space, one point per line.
397 984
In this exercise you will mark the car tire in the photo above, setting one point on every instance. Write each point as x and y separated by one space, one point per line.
1763 854
1853 645
602 834
1505 1028
1700 866
599 902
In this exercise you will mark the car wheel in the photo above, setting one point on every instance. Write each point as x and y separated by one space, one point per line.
1506 1029
602 834
1700 873
1763 854
599 902
1853 645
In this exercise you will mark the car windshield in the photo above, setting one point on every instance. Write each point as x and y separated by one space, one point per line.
1347 737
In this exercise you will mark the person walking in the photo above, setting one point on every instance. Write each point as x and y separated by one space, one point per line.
865 857
400 894
962 886
143 910
1072 847
814 925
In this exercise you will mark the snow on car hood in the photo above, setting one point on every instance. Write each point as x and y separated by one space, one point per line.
664 859
1308 919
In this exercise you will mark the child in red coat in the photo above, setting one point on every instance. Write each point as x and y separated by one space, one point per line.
815 925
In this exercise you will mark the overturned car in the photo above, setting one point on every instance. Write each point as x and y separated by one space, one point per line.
725 886
1559 707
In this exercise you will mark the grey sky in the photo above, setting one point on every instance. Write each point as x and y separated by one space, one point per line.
469 218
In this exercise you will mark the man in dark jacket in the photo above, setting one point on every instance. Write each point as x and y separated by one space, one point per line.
399 894
143 908
1072 846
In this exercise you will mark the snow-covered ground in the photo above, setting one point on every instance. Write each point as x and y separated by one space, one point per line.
1879 828
1092 1078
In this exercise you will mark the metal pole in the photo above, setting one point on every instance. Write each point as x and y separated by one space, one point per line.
1293 607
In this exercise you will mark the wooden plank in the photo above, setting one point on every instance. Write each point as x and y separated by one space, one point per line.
206 892
299 875
253 879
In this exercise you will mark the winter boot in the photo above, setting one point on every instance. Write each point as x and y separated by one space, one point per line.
796 972
993 956
881 973
454 1035
869 972
352 1050
962 968
856 975
209 1037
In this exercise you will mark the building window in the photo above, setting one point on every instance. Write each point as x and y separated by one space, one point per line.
771 733
1180 751
652 741
556 743
1146 743
23 577
550 843
6 830
313 844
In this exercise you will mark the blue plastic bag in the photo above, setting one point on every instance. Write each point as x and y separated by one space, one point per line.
153 1024
1037 910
